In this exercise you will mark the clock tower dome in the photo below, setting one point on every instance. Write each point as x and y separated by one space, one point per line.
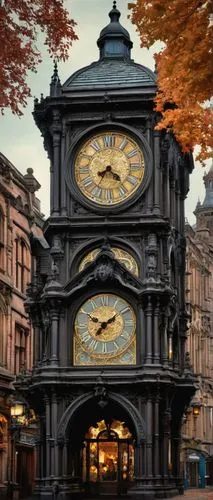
110 383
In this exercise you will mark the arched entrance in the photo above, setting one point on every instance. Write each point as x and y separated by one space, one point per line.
108 457
102 443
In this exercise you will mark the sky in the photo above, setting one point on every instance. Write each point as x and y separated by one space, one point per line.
20 139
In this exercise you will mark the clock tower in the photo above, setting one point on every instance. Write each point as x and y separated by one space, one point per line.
110 381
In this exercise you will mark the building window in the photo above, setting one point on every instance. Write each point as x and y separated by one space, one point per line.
22 264
21 336
1 339
1 239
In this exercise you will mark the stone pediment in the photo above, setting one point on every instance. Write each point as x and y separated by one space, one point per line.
104 270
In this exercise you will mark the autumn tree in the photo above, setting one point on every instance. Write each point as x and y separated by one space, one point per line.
184 66
20 23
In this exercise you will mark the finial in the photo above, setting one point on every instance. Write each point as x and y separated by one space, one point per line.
114 14
55 73
55 84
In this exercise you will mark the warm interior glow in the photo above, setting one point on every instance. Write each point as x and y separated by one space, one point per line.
116 426
3 420
196 411
17 409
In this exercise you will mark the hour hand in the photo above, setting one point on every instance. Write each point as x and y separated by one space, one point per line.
116 177
102 173
99 331
93 318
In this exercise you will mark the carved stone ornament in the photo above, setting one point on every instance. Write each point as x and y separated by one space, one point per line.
188 365
101 394
105 265
151 266
57 250
104 272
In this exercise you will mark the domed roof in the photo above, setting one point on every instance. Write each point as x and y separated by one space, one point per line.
111 74
115 68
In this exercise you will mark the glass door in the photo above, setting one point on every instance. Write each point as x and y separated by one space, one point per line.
108 461
108 458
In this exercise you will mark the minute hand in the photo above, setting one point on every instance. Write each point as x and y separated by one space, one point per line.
112 319
105 323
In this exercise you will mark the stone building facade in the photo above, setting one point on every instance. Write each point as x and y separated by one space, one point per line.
198 421
20 216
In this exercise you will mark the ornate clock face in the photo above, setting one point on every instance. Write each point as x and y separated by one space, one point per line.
105 331
121 255
109 168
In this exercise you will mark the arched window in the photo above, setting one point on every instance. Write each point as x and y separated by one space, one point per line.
21 339
3 335
22 254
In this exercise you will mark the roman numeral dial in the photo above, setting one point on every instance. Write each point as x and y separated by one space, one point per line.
109 168
105 331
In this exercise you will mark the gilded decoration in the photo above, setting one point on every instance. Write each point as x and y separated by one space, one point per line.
125 258
105 332
109 168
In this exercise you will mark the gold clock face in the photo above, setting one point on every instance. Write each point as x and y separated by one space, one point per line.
109 168
125 258
105 332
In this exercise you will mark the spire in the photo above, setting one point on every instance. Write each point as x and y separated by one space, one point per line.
55 85
208 181
114 40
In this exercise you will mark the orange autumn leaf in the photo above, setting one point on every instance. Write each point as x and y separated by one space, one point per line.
184 66
20 23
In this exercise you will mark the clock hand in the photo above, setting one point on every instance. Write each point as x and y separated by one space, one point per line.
116 177
93 318
99 330
112 319
105 323
102 174
102 327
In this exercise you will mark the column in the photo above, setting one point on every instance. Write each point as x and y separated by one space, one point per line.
54 410
38 458
48 436
157 184
164 342
172 201
56 173
63 183
166 434
148 333
64 459
149 437
54 337
156 337
156 450
167 193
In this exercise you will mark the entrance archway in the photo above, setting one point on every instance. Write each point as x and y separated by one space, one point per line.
102 443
